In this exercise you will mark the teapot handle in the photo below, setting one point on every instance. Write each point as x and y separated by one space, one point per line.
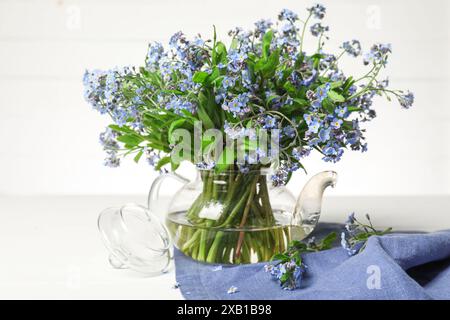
154 194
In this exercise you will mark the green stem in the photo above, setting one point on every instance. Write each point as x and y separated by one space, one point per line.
303 33
236 210
244 218
244 202
215 247
202 247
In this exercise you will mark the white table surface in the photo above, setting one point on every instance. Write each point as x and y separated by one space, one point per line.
51 249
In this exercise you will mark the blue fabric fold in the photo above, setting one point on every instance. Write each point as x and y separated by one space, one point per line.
396 266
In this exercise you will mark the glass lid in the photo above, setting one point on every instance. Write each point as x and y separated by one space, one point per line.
136 239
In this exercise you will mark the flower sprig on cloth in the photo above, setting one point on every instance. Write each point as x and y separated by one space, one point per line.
354 237
289 268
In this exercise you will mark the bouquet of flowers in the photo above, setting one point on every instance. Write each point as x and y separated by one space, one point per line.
262 81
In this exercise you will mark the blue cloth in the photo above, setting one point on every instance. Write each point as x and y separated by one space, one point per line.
396 266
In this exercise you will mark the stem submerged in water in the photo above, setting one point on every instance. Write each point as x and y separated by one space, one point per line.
245 230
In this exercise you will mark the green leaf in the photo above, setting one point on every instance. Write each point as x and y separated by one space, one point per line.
214 37
174 91
335 97
298 245
270 98
336 84
219 55
318 56
328 104
328 241
138 156
225 159
348 83
353 109
122 129
316 59
175 125
162 162
202 112
250 145
388 230
292 109
131 140
206 78
234 44
290 88
174 166
285 277
153 119
213 76
362 236
188 116
268 69
155 144
280 256
200 77
267 39
301 102
206 141
205 119
299 61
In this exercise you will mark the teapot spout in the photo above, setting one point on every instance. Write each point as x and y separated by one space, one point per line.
309 202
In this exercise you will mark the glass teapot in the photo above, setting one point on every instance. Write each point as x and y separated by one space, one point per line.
234 217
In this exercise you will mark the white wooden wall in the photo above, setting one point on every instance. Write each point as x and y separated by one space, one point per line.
49 135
